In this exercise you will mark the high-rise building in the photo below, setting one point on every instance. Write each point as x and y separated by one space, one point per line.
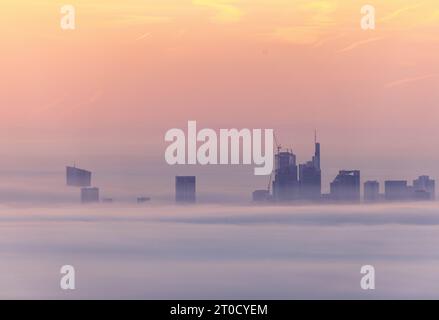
397 190
285 184
310 177
371 191
425 184
346 186
185 189
89 195
78 177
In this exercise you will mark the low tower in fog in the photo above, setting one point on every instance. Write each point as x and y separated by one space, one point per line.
425 184
371 191
397 190
185 189
89 195
346 186
76 177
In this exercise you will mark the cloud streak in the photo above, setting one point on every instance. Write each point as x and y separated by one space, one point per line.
225 10
410 80
143 36
400 11
361 43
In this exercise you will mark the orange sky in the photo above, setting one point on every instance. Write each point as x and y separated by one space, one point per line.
133 69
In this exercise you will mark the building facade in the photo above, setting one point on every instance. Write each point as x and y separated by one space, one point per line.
425 184
89 195
346 186
185 189
371 191
76 177
285 184
395 190
310 177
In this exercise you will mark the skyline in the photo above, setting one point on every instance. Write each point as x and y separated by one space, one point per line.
145 186
104 94
289 181
219 149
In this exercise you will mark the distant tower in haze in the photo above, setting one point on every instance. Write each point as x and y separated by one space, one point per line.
185 189
346 186
316 158
285 184
310 175
371 191
425 184
89 195
397 190
76 177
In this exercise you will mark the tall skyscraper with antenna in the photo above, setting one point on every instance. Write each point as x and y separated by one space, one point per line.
310 175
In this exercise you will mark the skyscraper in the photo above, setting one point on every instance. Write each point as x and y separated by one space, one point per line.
310 176
78 177
185 189
285 184
397 190
425 184
346 186
371 191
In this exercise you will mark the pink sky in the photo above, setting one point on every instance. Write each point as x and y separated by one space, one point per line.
133 69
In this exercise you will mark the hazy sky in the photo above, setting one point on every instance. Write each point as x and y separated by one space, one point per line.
104 94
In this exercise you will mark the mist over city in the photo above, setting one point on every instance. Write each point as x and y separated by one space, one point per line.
220 252
219 149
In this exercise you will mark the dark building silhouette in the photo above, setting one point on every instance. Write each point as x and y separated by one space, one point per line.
425 185
285 184
395 190
371 191
290 181
310 177
398 190
346 186
89 195
420 195
76 177
185 189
